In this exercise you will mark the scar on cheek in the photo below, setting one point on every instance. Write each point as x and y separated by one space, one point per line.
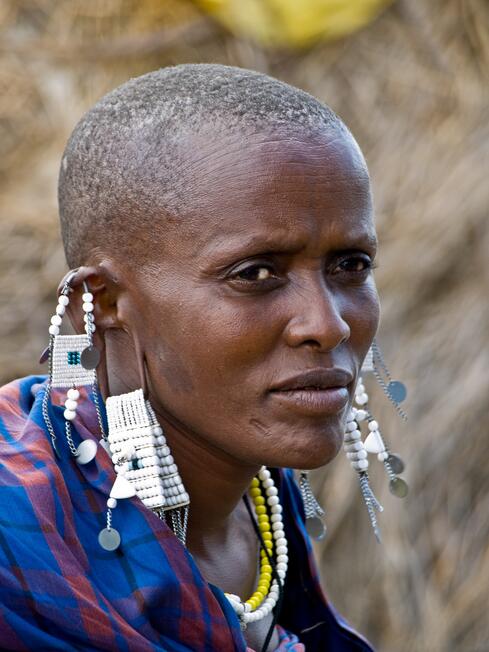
262 428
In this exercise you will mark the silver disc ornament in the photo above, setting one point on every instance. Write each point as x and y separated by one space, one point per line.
315 528
90 357
398 487
397 391
396 464
109 539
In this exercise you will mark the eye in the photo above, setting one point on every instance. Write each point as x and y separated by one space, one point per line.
256 276
356 264
254 272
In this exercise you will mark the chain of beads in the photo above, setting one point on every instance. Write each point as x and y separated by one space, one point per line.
265 597
374 442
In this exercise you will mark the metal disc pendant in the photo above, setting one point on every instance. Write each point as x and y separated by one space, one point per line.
398 487
109 539
90 357
396 464
86 451
397 391
315 528
44 356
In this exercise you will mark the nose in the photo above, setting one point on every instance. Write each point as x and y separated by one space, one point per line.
316 319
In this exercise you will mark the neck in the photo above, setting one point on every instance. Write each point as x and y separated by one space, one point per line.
215 482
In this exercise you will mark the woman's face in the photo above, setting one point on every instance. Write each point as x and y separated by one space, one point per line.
256 316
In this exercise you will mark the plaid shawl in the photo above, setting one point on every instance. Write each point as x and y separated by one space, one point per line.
59 590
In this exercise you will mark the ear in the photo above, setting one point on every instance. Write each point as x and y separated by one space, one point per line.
103 285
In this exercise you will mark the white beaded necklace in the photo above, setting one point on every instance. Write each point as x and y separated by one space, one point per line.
243 610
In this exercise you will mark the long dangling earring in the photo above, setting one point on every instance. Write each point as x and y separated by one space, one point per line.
72 363
357 450
375 441
314 513
144 466
356 453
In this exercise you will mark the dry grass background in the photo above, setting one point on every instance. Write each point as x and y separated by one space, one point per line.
413 87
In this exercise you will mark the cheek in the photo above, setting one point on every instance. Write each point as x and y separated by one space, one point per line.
210 350
361 310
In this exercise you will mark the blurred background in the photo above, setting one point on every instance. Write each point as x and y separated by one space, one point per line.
410 78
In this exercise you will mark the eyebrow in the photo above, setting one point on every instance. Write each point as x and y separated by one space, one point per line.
256 245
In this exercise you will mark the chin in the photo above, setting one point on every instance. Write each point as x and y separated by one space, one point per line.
308 451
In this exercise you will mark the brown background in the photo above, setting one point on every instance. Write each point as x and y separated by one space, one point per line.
413 87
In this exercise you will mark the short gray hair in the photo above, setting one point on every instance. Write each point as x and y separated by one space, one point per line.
123 158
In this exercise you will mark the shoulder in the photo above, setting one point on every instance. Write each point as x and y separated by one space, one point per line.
17 400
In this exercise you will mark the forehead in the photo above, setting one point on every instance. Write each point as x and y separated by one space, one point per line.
261 189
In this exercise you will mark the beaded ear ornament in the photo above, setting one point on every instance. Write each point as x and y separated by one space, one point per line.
72 362
357 450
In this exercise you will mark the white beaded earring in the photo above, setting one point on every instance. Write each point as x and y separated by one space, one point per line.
144 466
356 453
72 363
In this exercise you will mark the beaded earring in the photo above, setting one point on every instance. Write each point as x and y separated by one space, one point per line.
357 450
375 443
72 363
144 466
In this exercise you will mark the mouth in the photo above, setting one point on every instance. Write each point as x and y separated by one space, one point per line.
321 392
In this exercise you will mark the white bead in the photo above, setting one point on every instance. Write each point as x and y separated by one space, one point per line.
63 300
53 330
56 320
70 404
362 415
362 399
275 518
73 393
271 491
373 425
361 465
281 550
361 455
69 415
351 426
87 306
281 566
60 309
273 501
282 559
351 436
111 503
264 474
276 509
382 456
360 388
87 297
268 483
281 541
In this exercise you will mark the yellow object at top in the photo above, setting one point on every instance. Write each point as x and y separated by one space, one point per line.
293 22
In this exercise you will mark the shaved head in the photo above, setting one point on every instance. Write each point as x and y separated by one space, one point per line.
131 160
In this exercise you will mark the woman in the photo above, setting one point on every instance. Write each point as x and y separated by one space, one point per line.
220 228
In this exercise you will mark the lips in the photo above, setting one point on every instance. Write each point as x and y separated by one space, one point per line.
314 393
315 379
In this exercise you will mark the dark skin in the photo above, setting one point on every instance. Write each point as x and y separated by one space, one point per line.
268 277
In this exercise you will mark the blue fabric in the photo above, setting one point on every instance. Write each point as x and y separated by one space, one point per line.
59 590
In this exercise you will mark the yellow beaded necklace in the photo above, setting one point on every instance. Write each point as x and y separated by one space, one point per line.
265 577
